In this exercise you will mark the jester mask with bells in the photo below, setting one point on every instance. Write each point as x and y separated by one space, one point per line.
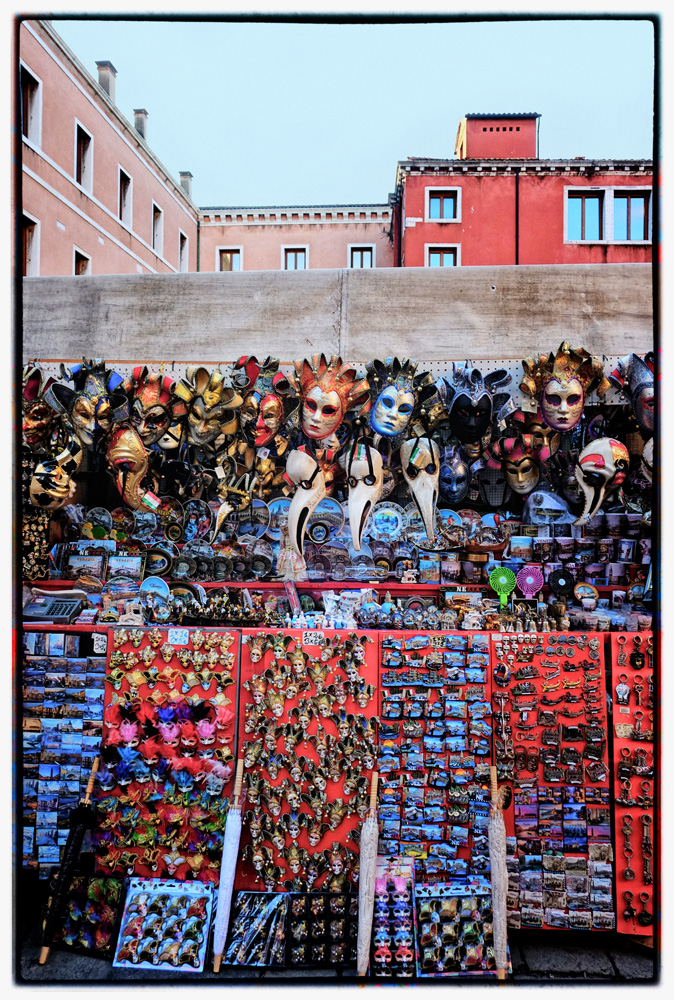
212 405
38 415
364 469
602 465
96 403
520 457
420 461
472 401
303 472
327 390
151 397
397 395
634 376
561 382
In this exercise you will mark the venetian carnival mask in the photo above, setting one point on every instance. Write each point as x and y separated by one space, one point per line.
264 390
472 401
38 415
420 461
634 376
397 391
561 382
365 473
454 479
94 405
647 460
304 472
520 459
212 404
52 485
128 459
327 389
602 464
151 403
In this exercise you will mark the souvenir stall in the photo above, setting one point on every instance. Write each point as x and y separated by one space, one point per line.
333 665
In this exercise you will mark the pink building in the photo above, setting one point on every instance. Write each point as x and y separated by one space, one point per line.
295 237
95 198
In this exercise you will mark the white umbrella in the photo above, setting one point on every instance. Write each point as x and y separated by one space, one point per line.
230 855
369 841
499 878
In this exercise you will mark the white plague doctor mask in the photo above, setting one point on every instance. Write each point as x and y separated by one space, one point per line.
364 468
420 461
304 472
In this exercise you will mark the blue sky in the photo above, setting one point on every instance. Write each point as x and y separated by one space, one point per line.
273 113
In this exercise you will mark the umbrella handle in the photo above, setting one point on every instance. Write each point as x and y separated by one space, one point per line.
373 791
92 779
238 782
494 784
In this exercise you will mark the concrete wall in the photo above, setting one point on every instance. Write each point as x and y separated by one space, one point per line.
428 314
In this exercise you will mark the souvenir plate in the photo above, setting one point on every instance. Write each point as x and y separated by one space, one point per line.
157 562
278 509
327 518
252 520
587 590
170 514
156 586
184 567
122 520
144 524
387 521
196 519
416 533
100 520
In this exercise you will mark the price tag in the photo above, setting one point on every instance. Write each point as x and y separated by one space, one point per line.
178 636
100 642
312 638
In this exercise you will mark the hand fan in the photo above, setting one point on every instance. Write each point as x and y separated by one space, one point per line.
530 580
502 580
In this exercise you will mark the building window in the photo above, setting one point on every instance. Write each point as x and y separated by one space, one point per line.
31 247
294 258
442 256
443 205
157 230
229 258
183 252
31 106
630 216
84 158
361 256
608 215
82 263
124 200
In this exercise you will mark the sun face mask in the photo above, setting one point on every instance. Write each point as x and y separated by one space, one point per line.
472 401
602 465
561 383
635 377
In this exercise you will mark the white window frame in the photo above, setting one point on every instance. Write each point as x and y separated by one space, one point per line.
441 246
34 135
361 246
126 219
609 191
157 239
87 184
228 248
295 246
79 250
33 262
438 189
183 255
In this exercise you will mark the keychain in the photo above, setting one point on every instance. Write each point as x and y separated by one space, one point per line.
622 690
637 658
638 688
622 652
645 918
629 912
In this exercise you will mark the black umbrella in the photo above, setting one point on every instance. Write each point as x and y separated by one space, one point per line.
81 819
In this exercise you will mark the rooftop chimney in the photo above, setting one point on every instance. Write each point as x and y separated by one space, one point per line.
106 77
186 182
140 122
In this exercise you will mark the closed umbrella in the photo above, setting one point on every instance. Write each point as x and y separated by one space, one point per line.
81 819
369 840
230 856
499 877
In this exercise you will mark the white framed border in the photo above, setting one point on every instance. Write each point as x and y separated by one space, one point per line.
83 253
35 125
33 270
158 247
128 222
295 246
442 246
228 247
441 189
361 246
608 191
88 185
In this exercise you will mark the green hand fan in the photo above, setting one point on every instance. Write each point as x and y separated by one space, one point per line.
503 581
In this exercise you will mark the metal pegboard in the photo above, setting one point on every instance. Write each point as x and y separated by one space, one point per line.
438 369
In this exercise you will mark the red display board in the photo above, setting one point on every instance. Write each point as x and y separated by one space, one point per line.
306 732
550 740
168 751
633 762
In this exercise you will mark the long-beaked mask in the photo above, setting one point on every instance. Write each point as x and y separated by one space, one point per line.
303 472
212 404
128 460
454 479
420 462
151 396
267 399
635 377
327 390
472 401
364 468
96 402
602 465
561 383
397 393
38 415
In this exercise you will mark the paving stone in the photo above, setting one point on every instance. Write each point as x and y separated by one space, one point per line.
634 965
567 962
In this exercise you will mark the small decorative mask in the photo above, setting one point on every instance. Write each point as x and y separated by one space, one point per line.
454 475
